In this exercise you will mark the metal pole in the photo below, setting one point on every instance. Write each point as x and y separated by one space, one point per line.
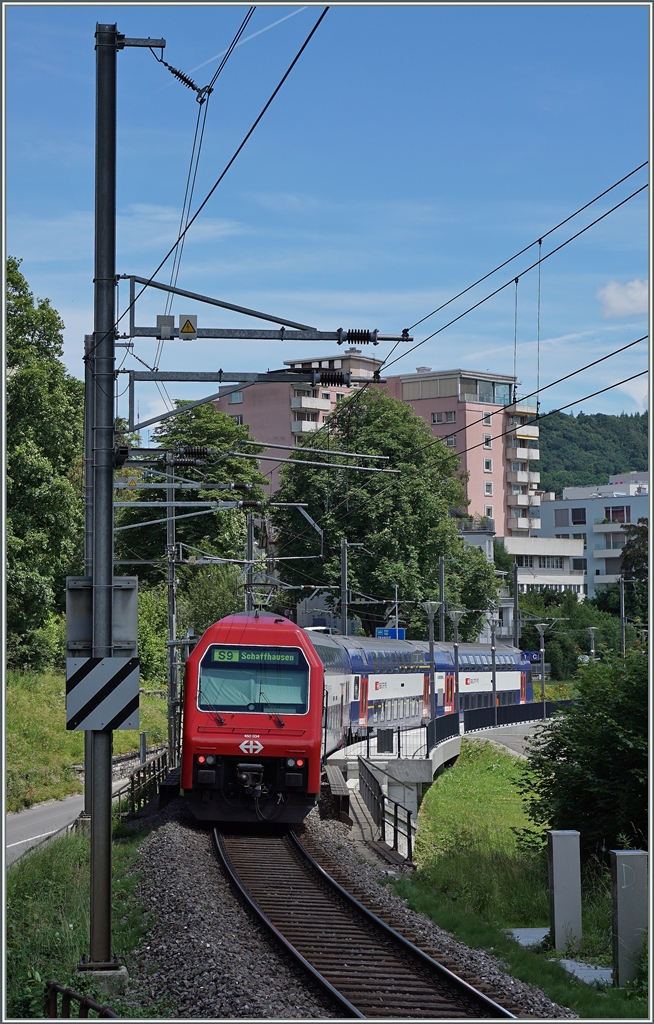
89 398
441 594
516 610
172 610
623 623
457 696
142 748
592 630
432 677
397 616
343 586
494 670
249 587
103 471
541 627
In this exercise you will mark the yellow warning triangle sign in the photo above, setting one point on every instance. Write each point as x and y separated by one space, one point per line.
188 328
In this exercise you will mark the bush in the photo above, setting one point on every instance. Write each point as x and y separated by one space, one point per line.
587 767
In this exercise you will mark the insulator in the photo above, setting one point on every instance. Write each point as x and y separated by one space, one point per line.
193 451
188 82
359 337
335 378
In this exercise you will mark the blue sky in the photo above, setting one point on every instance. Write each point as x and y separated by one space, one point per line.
412 149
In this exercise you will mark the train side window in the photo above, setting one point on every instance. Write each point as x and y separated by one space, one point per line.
356 688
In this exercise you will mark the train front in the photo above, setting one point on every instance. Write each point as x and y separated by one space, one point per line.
252 722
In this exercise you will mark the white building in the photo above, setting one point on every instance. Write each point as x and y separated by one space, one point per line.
547 563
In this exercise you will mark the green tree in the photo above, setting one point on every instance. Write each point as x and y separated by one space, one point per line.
221 532
403 521
581 450
569 638
44 431
587 767
635 554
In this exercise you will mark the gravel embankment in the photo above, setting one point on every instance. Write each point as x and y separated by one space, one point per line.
207 958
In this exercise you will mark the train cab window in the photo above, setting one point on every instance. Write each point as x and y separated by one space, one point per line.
254 679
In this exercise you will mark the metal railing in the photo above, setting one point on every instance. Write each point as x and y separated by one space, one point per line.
398 741
68 995
511 714
142 784
441 729
386 813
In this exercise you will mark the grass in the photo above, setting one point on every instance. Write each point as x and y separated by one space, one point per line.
477 875
41 751
47 895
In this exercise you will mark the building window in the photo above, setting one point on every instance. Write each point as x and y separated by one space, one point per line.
488 511
488 489
578 516
618 513
437 417
550 562
564 536
327 395
488 465
488 441
524 561
486 419
338 397
451 441
579 563
561 517
450 417
580 536
236 397
238 420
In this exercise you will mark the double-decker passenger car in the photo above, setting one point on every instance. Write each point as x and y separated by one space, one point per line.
264 700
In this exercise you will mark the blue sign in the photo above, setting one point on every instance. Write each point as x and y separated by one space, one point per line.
531 655
389 634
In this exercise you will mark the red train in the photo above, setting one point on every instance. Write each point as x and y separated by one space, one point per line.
252 721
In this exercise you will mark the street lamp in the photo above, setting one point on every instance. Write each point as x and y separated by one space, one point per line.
493 623
431 607
455 614
541 627
592 630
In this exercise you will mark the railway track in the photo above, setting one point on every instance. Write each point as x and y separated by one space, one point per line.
369 969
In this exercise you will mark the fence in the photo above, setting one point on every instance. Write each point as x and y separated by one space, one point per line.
402 741
52 990
142 784
387 814
510 714
443 728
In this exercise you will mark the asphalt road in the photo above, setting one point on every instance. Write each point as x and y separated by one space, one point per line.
512 736
28 827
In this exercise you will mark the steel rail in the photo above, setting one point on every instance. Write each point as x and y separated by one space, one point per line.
432 991
350 1010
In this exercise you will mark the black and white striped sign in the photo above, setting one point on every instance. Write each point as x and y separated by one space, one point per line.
102 693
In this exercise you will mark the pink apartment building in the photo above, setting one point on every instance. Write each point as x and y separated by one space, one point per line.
471 411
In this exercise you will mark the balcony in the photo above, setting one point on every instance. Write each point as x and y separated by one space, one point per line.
600 526
481 525
520 454
523 430
521 500
534 524
607 553
311 404
518 524
520 409
303 427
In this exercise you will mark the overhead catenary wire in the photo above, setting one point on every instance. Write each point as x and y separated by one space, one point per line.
530 246
222 174
511 280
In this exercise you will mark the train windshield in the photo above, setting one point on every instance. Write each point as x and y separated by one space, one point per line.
254 679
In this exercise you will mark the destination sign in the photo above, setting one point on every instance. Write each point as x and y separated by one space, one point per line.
255 656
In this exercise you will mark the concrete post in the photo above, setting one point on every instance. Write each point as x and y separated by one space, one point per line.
630 911
565 888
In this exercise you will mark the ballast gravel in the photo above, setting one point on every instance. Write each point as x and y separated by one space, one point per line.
206 958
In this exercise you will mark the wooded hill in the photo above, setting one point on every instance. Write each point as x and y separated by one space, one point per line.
580 450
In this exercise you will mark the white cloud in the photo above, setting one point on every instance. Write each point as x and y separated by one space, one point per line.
623 299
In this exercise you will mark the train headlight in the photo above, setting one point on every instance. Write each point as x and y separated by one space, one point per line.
290 762
210 759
